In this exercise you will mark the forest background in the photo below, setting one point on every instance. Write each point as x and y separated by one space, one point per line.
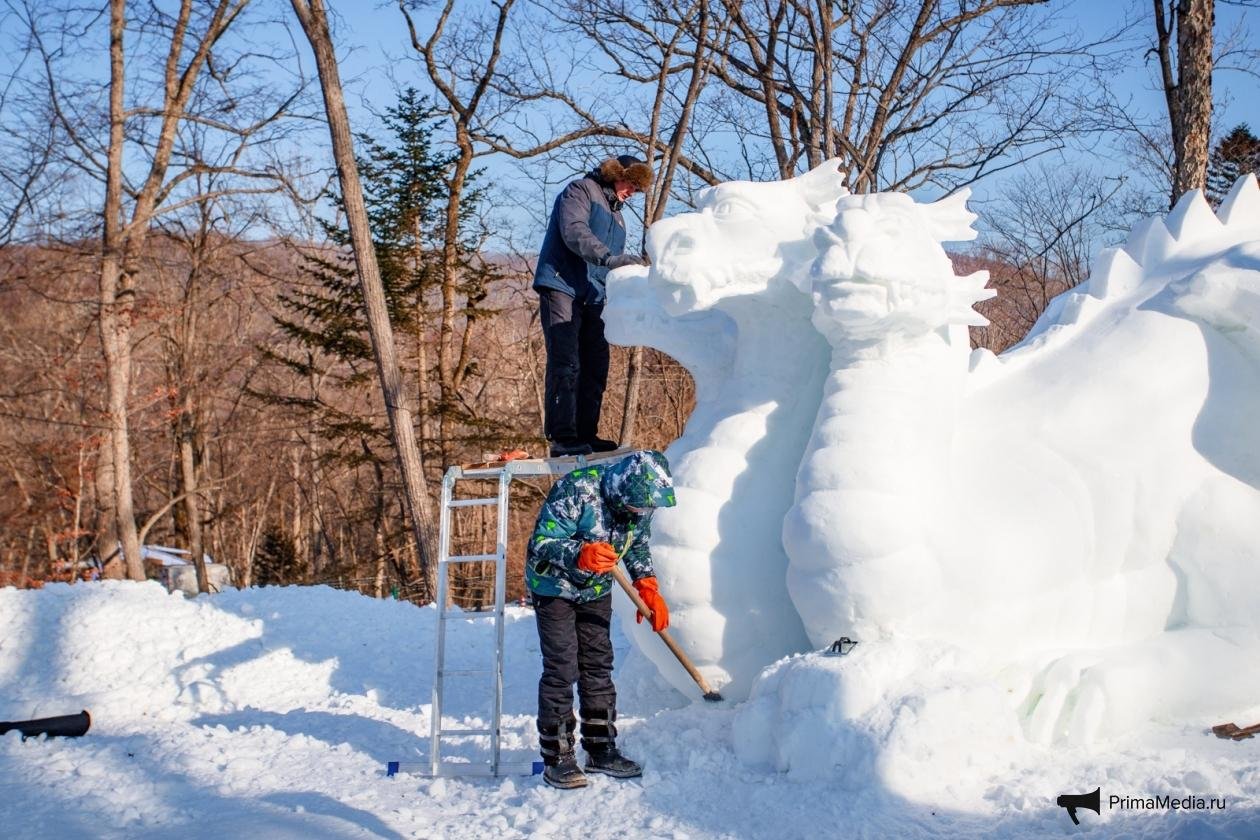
184 351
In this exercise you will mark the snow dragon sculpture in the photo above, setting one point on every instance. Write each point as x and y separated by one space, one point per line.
1080 516
722 299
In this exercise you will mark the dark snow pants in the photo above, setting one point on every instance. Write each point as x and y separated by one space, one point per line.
576 647
577 365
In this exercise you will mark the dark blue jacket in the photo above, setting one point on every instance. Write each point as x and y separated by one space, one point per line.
584 230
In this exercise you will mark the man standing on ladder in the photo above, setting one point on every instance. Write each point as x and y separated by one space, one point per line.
593 517
585 239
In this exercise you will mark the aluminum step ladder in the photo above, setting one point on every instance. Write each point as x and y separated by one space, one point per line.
503 472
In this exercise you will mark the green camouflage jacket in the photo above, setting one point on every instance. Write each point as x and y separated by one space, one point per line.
590 505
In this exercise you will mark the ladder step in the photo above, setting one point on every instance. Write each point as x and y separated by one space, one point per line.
469 732
472 558
492 500
450 769
465 672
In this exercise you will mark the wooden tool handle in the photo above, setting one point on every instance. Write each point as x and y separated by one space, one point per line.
664 634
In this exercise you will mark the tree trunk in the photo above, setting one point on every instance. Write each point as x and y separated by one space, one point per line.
107 543
315 536
422 351
192 505
658 197
447 374
314 20
1194 92
24 575
630 405
255 534
116 338
378 580
1187 83
117 299
297 534
120 244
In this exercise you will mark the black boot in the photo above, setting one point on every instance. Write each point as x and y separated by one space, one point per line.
601 445
555 741
560 447
599 739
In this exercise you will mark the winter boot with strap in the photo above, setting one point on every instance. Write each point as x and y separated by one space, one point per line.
599 739
555 741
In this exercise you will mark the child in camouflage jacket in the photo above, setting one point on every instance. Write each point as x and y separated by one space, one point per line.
593 517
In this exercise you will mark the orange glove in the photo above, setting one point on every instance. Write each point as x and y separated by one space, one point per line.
597 558
652 597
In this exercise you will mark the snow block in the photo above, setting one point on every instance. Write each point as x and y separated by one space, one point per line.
1150 243
1115 273
1240 209
1192 218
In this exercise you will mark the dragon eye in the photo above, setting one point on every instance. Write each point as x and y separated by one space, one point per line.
733 208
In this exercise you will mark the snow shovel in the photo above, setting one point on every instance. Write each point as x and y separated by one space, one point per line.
1232 730
67 726
709 694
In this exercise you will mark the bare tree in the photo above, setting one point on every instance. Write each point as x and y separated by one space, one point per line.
1190 45
28 134
904 92
463 103
121 240
1187 83
642 43
314 20
665 159
1042 229
127 140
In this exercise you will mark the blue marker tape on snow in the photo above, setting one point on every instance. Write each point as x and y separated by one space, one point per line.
391 768
537 768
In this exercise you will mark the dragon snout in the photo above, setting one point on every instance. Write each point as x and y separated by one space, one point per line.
670 247
678 247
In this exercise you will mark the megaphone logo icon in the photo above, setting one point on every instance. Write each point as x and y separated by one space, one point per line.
1072 801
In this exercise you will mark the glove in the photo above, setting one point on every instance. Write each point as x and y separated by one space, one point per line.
597 558
652 597
623 260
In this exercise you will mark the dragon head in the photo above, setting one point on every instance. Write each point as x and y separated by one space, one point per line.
881 269
742 236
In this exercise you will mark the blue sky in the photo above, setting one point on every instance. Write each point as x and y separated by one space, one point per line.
375 47
376 56
376 59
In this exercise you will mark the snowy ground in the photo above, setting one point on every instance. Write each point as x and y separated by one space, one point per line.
272 713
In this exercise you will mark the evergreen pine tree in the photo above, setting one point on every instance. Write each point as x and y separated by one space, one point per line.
1236 154
403 175
405 192
276 561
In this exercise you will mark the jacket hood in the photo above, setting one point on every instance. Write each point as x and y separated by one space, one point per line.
641 479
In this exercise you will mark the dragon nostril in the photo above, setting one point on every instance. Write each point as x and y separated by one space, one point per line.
680 244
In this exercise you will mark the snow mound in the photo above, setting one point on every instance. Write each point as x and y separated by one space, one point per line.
272 712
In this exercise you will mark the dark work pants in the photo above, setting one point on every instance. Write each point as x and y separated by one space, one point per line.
577 365
576 647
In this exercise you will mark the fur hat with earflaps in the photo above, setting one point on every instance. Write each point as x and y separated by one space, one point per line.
626 168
